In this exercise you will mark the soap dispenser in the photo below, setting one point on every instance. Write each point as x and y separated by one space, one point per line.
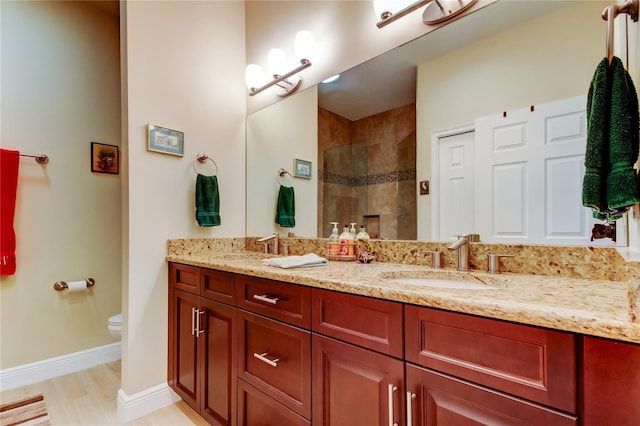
347 243
362 235
352 231
333 247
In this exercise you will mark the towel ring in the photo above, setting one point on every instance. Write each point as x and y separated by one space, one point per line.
202 158
281 177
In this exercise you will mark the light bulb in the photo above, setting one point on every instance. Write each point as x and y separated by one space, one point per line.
253 76
276 61
305 44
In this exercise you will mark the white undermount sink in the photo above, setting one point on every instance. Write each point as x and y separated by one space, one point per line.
444 283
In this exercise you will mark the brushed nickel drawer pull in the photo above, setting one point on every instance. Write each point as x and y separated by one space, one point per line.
198 330
266 298
410 397
193 321
263 357
392 389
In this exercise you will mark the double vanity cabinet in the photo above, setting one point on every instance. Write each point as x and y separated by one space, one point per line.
251 351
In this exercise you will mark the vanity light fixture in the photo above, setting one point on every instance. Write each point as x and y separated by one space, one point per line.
436 11
277 65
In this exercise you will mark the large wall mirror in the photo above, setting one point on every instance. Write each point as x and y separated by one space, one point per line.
372 142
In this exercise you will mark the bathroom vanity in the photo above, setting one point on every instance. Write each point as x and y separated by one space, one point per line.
356 344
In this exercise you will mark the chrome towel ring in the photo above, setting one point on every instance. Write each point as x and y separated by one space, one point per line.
201 159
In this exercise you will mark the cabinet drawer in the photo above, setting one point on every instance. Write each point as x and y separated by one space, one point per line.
529 362
257 409
285 302
441 399
184 277
219 285
276 358
371 323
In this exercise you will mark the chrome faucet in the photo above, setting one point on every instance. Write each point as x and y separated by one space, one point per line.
462 245
273 237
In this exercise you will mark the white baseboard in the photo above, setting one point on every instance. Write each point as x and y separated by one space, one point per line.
39 371
145 402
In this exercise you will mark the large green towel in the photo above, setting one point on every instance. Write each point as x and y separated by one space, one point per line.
610 184
286 207
207 201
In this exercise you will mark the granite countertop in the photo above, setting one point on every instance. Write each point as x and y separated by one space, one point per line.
590 307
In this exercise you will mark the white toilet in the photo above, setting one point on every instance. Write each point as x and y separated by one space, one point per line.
115 325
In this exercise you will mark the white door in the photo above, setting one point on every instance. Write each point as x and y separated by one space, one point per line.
456 198
530 165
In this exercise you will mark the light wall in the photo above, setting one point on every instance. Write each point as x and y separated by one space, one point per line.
275 136
184 63
548 58
60 91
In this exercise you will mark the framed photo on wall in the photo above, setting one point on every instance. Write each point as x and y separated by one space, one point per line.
166 141
104 158
301 168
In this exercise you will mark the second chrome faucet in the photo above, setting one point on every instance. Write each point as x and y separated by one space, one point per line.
275 239
462 245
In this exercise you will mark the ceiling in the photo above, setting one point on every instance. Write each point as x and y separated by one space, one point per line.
389 80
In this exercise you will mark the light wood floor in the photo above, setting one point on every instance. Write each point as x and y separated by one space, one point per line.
89 398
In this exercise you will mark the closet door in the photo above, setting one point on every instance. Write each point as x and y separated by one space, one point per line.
529 171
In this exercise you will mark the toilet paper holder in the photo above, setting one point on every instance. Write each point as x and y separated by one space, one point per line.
62 285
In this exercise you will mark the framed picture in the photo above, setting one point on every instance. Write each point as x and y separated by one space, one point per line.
166 141
301 168
104 158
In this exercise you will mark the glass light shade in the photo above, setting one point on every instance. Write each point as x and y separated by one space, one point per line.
253 76
305 44
391 6
276 61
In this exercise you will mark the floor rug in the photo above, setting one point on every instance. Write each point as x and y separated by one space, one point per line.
28 412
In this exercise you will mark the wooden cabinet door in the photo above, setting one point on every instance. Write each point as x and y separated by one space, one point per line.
355 386
185 372
217 358
611 383
437 399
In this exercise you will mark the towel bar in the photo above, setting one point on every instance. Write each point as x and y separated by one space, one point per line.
609 14
40 158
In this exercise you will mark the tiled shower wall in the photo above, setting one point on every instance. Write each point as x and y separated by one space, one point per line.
367 167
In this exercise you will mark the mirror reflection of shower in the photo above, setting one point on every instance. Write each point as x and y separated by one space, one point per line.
368 173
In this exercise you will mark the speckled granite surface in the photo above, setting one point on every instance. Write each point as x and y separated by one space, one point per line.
575 289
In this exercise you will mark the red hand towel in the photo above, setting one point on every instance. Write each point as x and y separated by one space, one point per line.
9 161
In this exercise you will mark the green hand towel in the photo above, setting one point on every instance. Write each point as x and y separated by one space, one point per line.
207 201
286 207
610 185
596 157
622 188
